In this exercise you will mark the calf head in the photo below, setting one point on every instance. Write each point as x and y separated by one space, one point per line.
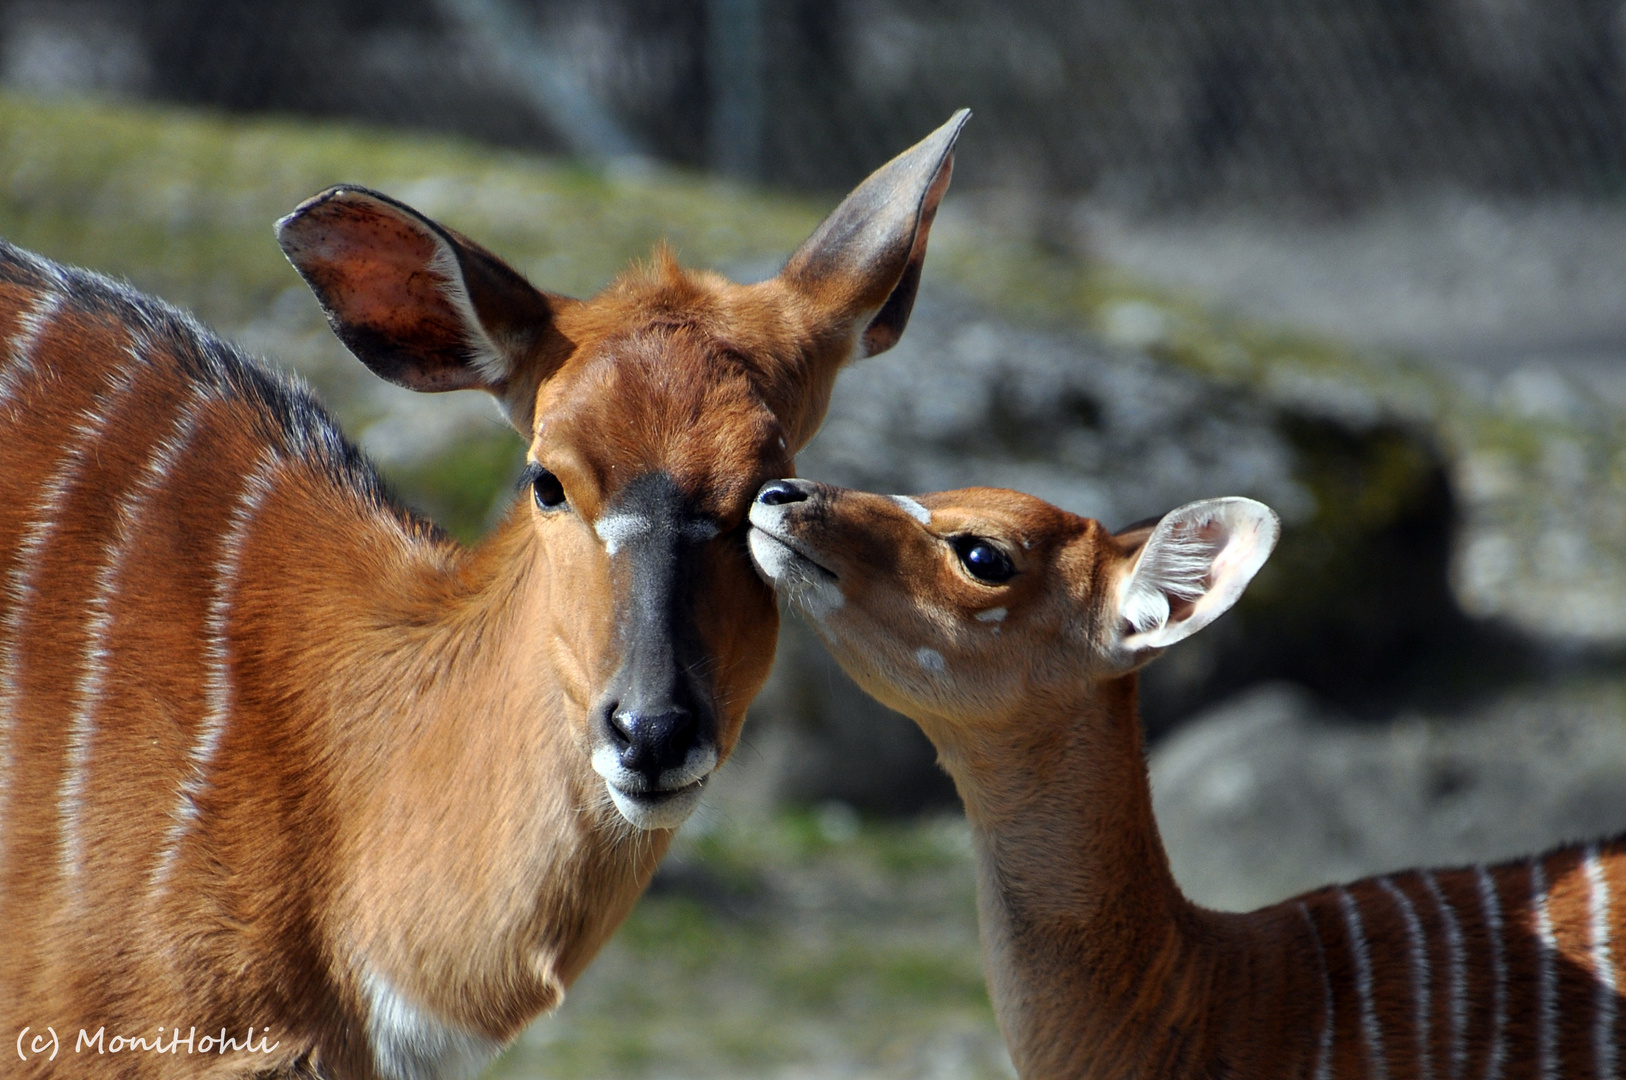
964 609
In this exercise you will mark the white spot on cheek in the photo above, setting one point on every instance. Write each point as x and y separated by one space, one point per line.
912 508
930 659
993 614
617 529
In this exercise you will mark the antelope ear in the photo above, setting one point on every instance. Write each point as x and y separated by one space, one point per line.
419 304
861 267
1191 568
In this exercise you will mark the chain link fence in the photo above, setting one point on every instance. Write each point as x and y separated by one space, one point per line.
1328 105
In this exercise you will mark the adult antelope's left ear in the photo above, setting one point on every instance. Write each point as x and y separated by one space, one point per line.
860 269
423 306
1190 569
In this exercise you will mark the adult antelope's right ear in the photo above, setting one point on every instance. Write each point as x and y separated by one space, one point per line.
1190 568
860 269
423 306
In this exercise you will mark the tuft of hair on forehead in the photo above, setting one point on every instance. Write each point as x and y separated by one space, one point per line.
657 292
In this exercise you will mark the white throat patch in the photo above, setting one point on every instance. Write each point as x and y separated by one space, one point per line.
410 1043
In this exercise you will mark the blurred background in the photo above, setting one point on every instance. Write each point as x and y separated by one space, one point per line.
1360 259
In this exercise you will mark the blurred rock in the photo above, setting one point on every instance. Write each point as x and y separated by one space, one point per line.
1271 794
1510 313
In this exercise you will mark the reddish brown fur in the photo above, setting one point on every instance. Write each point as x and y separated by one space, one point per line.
398 792
1099 966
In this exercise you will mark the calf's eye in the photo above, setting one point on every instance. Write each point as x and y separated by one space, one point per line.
983 560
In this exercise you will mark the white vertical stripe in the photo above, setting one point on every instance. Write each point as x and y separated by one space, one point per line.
32 326
1496 1057
1459 977
20 362
1370 1029
1603 967
1418 947
93 669
1323 1056
218 679
30 551
1546 975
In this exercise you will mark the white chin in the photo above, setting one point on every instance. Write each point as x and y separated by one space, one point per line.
649 810
771 556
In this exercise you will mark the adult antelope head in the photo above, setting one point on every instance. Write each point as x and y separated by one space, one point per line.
276 754
653 413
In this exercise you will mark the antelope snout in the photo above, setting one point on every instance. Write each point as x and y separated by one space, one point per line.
654 761
781 492
780 550
654 745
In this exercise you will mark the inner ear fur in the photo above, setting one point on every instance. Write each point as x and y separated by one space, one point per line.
1190 568
421 305
864 261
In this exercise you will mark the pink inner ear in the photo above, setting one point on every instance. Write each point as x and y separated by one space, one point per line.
377 273
374 270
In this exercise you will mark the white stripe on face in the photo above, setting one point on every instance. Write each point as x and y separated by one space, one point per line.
621 528
913 508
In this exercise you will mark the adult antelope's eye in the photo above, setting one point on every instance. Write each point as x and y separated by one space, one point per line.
545 487
983 560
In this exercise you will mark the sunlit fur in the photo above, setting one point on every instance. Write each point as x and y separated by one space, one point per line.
275 752
1097 965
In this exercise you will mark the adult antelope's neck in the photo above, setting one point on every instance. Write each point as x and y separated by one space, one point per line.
1098 965
472 848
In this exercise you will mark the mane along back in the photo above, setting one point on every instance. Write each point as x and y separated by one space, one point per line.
121 333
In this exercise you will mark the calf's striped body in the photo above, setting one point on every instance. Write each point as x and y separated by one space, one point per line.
287 774
1507 971
1011 632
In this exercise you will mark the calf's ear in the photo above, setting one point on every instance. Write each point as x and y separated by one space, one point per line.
1188 570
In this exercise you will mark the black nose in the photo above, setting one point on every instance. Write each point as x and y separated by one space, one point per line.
651 743
780 492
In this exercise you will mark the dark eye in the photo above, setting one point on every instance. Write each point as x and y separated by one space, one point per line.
545 487
985 561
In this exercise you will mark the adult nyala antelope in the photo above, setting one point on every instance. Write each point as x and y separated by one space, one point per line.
1010 631
274 753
